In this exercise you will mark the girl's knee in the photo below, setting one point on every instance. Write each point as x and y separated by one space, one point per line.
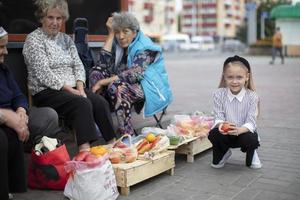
249 141
214 135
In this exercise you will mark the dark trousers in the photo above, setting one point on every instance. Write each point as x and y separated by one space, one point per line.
248 142
274 52
42 121
12 169
81 112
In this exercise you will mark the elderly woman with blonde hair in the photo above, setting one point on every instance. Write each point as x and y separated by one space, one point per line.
56 76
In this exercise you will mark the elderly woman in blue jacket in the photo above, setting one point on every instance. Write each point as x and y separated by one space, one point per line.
130 69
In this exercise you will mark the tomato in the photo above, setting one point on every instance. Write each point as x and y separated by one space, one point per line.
130 158
115 158
81 155
226 127
90 158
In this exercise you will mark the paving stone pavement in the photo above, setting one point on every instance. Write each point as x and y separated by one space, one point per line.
193 77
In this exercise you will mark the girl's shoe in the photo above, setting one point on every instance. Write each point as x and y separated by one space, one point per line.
10 196
256 164
223 161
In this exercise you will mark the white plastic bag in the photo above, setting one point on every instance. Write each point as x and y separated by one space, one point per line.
154 130
93 184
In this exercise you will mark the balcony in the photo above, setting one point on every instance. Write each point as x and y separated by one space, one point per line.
209 15
148 18
187 6
209 24
187 16
148 6
209 5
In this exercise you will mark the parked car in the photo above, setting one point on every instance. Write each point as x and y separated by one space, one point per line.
205 43
233 45
176 42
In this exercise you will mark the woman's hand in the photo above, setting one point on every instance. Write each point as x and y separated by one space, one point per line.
80 88
71 90
23 115
82 93
97 88
109 26
18 123
110 37
103 82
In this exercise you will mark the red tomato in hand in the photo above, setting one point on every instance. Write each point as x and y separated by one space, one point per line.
226 127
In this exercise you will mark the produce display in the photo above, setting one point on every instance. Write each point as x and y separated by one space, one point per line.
174 140
151 141
190 126
147 143
122 152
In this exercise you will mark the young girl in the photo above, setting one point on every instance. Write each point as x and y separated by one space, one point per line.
235 105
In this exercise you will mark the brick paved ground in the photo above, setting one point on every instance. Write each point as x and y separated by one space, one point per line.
193 78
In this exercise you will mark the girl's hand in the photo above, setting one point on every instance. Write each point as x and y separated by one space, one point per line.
234 131
226 127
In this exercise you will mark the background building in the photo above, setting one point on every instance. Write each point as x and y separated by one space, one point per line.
156 17
288 19
220 18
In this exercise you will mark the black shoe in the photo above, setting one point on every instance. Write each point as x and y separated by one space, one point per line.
249 157
271 63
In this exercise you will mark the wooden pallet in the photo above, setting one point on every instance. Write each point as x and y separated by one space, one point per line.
191 147
129 174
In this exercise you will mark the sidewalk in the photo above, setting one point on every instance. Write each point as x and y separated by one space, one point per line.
193 80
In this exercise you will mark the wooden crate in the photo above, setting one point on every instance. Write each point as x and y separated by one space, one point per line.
128 174
191 147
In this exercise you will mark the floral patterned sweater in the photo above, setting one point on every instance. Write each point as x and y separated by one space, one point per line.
52 61
130 74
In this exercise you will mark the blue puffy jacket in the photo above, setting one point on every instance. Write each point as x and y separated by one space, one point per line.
158 94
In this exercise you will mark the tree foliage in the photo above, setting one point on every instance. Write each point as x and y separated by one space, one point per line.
264 6
267 6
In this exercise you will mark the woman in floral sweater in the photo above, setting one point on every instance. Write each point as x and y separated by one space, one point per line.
56 76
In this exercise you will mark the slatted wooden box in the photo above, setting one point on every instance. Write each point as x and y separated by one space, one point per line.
128 174
191 147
